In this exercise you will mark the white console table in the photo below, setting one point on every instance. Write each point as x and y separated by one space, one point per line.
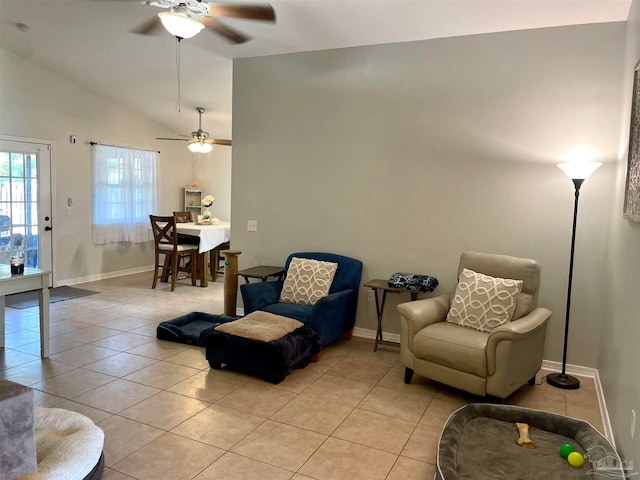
32 279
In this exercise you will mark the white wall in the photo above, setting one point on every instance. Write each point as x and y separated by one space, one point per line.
213 173
618 360
37 103
405 155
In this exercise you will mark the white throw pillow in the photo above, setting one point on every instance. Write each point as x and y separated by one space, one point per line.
483 302
307 281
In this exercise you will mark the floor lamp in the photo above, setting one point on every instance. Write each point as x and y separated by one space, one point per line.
578 172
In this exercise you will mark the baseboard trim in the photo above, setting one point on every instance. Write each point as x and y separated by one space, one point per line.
104 276
546 364
371 334
570 369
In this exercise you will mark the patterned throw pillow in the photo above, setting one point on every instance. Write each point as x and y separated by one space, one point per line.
483 302
307 281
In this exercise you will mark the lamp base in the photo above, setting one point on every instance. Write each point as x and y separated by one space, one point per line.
562 380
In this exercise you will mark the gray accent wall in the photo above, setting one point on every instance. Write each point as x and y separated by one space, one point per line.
619 357
405 155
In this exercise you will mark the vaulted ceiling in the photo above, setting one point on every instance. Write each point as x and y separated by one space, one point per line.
90 42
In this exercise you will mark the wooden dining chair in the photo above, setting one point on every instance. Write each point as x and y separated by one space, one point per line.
166 243
215 265
185 217
182 217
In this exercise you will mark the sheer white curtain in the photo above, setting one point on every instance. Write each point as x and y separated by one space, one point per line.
124 194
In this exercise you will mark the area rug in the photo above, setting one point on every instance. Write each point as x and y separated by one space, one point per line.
57 294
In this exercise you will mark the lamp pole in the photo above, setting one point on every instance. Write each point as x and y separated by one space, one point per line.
578 172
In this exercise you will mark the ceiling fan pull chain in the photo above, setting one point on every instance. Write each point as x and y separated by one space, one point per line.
178 106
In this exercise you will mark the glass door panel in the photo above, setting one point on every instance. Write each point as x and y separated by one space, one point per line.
22 165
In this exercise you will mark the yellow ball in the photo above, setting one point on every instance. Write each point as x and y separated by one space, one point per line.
575 459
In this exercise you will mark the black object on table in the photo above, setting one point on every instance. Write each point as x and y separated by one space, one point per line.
379 284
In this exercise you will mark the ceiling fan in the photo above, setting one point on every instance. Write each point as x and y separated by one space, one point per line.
199 141
186 18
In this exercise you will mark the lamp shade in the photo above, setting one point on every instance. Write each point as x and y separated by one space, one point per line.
180 25
579 170
194 147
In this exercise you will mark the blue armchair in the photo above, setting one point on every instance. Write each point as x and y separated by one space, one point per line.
331 317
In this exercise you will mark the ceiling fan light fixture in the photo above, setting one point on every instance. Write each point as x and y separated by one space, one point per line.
199 147
200 141
180 25
194 147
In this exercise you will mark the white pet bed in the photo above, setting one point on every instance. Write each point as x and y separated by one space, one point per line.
68 445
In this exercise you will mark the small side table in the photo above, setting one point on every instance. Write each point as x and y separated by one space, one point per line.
262 272
379 284
32 279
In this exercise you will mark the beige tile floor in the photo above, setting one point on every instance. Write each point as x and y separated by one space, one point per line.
167 416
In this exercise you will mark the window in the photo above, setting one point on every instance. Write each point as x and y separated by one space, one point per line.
124 194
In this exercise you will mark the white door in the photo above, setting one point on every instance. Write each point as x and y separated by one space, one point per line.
25 203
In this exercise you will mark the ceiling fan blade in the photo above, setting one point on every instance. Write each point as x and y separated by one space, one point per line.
263 12
216 141
150 27
230 34
178 139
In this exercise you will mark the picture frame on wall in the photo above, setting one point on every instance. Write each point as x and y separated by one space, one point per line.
632 187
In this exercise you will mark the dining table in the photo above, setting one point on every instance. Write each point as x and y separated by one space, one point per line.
211 236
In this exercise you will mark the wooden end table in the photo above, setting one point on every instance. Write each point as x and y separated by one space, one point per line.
262 272
379 284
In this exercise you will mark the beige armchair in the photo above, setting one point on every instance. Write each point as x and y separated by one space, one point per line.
492 363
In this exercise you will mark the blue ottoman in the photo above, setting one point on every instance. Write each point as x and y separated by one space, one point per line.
271 360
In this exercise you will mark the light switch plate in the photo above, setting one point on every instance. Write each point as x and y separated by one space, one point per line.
71 211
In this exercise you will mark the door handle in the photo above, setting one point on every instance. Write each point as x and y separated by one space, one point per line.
48 228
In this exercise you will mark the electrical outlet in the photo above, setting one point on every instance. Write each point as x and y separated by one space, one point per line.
633 424
372 296
71 211
252 225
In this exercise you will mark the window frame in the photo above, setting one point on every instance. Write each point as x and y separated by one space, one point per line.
124 186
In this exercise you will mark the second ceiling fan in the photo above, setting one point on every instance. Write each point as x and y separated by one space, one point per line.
199 141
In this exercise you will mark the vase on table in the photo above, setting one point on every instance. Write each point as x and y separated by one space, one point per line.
206 215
